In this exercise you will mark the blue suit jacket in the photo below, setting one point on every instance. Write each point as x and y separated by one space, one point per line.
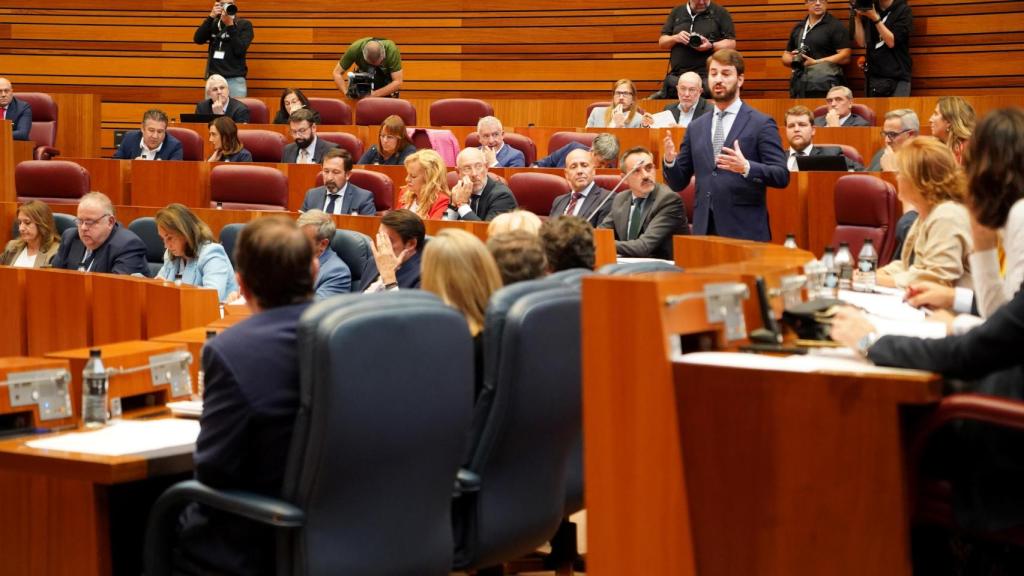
20 115
557 158
356 198
131 147
249 404
509 157
739 203
334 276
408 276
211 268
122 253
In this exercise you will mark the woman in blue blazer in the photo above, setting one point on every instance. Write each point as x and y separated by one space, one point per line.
191 256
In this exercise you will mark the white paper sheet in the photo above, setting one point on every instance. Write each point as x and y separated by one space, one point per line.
127 437
892 316
663 119
186 408
826 360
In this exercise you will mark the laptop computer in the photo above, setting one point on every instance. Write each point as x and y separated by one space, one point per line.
822 163
198 118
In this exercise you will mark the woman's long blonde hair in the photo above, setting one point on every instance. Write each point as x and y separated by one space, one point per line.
632 107
459 269
435 181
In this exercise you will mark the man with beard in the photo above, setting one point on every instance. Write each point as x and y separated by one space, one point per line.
338 195
644 220
306 147
800 135
731 181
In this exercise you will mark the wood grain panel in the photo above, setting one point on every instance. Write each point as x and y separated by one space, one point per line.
160 183
59 310
118 308
13 341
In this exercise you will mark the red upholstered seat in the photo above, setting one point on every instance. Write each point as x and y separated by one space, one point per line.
52 181
536 191
522 143
44 123
241 187
858 109
608 181
377 182
264 145
349 142
848 151
459 111
191 142
866 207
332 111
372 111
559 139
258 113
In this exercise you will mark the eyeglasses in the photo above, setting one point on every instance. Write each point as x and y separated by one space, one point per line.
688 90
817 1
894 135
620 93
300 131
87 223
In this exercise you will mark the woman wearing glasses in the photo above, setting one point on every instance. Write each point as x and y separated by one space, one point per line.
623 113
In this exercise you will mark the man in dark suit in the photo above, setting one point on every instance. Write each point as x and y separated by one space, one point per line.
605 149
587 200
338 195
477 196
98 243
251 397
334 276
396 253
800 135
18 112
152 142
306 147
731 182
840 110
218 102
648 216
691 105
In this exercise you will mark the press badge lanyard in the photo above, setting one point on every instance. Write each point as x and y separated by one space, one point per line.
807 29
881 42
218 54
693 19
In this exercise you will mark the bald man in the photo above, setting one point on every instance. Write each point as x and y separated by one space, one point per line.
691 104
477 196
18 112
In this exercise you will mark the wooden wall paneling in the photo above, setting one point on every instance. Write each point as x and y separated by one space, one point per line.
59 310
118 308
604 247
112 177
13 340
78 124
7 163
8 214
171 308
160 183
301 178
787 210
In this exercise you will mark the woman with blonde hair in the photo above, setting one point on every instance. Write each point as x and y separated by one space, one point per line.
953 122
623 112
938 244
517 219
393 145
426 185
37 240
191 256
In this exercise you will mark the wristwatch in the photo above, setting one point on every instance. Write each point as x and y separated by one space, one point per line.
866 342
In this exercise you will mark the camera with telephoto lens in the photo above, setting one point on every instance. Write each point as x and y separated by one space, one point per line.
360 84
862 5
229 9
696 40
798 59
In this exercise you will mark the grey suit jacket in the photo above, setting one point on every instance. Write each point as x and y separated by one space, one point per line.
664 216
701 108
594 208
291 151
853 120
356 199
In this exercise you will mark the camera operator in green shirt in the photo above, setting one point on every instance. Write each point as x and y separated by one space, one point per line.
378 69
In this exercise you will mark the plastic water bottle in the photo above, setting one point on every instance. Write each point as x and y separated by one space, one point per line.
790 242
828 260
844 266
867 263
94 391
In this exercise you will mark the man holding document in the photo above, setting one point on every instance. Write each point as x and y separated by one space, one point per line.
691 104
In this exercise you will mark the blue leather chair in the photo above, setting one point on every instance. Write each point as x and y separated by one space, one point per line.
354 249
375 449
145 228
228 237
629 268
570 276
61 221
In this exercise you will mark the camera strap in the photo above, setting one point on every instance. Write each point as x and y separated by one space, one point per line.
807 29
881 42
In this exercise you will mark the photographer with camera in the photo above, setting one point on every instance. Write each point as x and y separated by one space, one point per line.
818 48
378 65
883 27
229 37
694 31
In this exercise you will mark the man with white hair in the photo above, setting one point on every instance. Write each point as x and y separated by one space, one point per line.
377 57
840 110
477 196
98 243
492 144
219 102
900 126
691 104
334 276
229 37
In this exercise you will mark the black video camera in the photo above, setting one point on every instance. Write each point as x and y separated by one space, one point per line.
862 5
696 40
360 84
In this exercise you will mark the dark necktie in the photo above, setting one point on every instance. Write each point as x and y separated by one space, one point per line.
87 261
570 210
332 198
635 219
474 201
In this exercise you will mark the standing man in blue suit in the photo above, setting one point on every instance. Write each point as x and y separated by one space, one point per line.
338 195
152 142
492 144
334 276
732 180
18 112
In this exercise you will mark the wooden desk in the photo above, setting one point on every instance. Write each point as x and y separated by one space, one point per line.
28 410
58 506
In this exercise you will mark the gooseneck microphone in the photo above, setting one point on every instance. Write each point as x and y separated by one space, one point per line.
614 190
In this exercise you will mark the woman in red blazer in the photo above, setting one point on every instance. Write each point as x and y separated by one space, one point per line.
426 185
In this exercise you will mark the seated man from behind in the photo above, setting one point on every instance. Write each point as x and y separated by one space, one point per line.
568 242
587 200
605 149
645 220
250 401
477 196
800 135
840 110
899 127
18 112
492 144
152 142
518 254
338 195
98 243
396 253
334 276
306 148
